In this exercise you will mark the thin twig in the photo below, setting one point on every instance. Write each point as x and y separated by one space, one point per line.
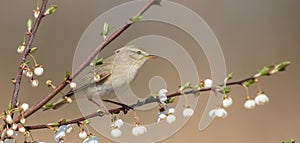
133 106
29 42
63 84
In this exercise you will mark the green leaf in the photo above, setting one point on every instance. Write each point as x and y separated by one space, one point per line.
157 2
264 71
9 107
50 10
197 94
26 62
67 75
56 124
48 105
32 50
282 66
86 122
248 83
185 86
136 18
170 100
106 29
229 77
98 62
223 89
29 24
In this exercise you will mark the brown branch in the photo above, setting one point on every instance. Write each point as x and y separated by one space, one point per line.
61 86
29 42
126 108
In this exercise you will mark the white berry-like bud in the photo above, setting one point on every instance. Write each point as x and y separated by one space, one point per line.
188 112
69 129
34 83
171 110
36 12
261 99
227 102
139 130
82 134
14 126
171 119
116 133
24 107
23 121
39 71
9 132
22 129
163 98
92 139
97 78
249 104
212 113
208 83
9 119
59 135
29 74
221 113
21 48
119 123
73 85
163 92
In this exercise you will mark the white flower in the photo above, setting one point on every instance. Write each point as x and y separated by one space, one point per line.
21 48
227 102
116 133
92 139
59 135
34 83
10 132
73 85
29 74
139 130
208 83
82 134
249 104
171 119
261 99
188 112
119 123
221 113
22 129
9 119
38 71
24 107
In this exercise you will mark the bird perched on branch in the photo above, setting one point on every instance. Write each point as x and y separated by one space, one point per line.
114 72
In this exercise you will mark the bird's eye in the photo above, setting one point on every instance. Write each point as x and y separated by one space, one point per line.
139 52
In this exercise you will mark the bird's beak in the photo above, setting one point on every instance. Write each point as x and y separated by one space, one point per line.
151 56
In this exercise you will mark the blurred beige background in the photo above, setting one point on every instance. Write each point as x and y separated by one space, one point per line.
251 33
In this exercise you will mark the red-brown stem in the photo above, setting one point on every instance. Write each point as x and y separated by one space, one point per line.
29 42
116 110
54 92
